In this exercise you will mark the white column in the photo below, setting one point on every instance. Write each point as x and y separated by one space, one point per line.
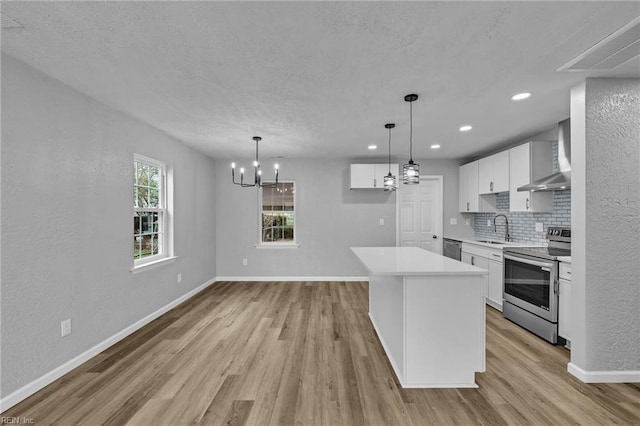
605 199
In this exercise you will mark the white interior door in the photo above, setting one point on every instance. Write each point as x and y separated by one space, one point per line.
420 211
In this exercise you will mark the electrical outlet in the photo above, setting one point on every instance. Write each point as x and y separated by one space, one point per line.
488 222
467 222
539 227
245 262
65 327
453 221
381 222
179 278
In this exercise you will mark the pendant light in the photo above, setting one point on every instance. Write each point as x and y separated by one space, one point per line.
411 170
390 182
257 173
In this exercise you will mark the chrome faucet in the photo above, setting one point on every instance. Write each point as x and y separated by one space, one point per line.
507 237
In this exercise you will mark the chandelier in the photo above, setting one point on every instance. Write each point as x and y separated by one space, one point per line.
257 173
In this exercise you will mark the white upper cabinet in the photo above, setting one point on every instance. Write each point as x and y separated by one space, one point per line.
493 173
529 162
468 188
469 201
369 176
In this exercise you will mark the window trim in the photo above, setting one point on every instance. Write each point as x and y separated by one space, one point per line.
165 228
279 244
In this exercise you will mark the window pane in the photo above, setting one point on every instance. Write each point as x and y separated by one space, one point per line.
143 174
154 177
147 225
278 213
153 198
143 196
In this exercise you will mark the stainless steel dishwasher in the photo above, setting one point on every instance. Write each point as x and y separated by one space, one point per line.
452 248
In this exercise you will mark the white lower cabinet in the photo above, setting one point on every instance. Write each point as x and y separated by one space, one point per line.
496 277
491 260
565 311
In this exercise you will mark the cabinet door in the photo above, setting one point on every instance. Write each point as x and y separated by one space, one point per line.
520 170
362 175
468 188
523 159
482 262
493 173
565 312
501 172
496 279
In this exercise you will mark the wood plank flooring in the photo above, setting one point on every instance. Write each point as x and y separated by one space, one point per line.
286 353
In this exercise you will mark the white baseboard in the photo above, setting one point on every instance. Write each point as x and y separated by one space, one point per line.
292 278
31 388
624 376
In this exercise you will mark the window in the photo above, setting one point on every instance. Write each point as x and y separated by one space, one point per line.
278 215
150 214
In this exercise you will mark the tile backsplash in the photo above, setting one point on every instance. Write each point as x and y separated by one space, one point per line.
522 225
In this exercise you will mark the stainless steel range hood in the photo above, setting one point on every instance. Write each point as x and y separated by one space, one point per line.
562 179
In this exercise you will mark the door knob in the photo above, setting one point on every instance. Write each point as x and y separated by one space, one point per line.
435 237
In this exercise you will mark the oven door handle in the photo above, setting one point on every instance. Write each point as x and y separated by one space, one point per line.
529 261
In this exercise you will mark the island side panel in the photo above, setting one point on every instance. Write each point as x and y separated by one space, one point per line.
445 338
386 311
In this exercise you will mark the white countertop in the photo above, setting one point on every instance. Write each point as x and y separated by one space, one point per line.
564 259
497 244
411 261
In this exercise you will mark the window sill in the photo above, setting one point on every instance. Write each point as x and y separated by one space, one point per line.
277 246
154 264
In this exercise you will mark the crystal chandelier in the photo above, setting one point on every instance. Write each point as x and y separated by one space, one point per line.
257 173
390 182
411 170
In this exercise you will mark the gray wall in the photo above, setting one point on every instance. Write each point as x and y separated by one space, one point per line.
66 230
606 232
330 219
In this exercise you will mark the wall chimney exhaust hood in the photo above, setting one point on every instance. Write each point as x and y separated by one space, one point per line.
561 180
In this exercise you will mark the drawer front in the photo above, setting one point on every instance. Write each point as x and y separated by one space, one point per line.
493 254
565 271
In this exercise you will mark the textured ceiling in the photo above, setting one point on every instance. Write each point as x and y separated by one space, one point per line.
320 79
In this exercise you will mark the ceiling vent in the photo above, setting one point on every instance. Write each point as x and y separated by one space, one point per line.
611 52
7 22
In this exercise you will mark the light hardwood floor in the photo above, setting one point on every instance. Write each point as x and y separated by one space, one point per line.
289 353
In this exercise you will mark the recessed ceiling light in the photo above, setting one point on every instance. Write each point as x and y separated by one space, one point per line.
466 128
435 146
373 147
520 96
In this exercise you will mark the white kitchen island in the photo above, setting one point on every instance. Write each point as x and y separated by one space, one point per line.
429 313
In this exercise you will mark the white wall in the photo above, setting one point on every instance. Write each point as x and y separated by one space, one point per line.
330 219
605 121
66 231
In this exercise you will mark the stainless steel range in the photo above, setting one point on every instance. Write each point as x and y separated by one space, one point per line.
531 284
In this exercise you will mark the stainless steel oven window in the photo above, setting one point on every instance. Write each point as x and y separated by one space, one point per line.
530 285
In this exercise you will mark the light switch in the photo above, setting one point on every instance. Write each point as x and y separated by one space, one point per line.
539 227
381 222
453 221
